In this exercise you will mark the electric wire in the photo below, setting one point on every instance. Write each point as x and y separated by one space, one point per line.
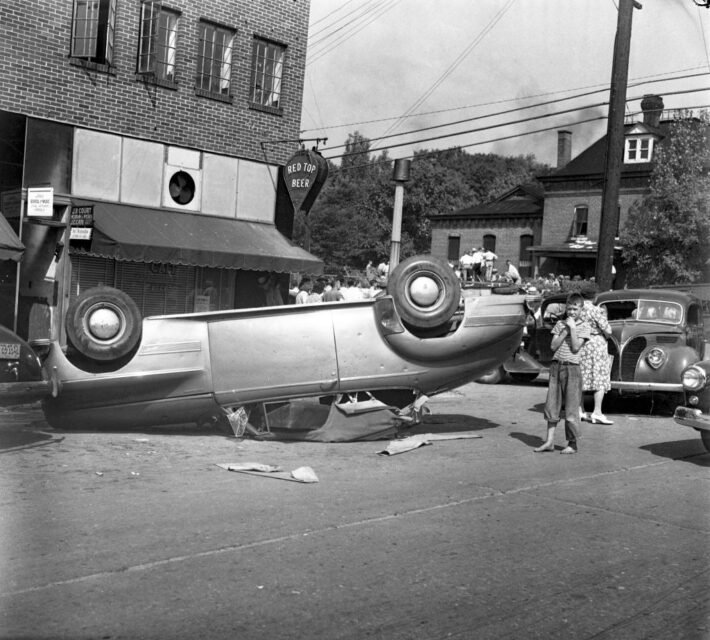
452 67
426 154
513 109
599 87
502 124
364 8
378 11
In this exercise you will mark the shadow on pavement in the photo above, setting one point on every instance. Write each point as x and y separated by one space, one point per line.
527 439
450 423
25 439
687 451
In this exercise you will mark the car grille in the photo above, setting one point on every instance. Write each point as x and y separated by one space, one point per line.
623 368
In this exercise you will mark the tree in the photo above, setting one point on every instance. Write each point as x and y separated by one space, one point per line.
665 238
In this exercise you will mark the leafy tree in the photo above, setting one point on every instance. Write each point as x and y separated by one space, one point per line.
666 237
351 222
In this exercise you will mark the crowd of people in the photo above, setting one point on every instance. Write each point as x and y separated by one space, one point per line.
334 289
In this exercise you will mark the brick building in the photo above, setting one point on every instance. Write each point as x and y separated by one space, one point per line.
508 226
141 145
556 229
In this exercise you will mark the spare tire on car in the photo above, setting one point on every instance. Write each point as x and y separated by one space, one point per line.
425 290
103 324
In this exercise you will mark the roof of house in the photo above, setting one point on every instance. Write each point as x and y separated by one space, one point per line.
525 199
592 160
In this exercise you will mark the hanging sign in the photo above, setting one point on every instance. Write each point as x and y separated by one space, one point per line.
40 202
82 222
305 173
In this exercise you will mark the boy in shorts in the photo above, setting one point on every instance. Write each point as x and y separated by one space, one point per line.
565 386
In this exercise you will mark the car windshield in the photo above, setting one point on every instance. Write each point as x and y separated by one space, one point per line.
644 310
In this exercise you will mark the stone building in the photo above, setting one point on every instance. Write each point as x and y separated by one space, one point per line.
141 145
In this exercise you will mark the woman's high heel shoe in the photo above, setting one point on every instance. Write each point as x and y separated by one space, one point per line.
598 418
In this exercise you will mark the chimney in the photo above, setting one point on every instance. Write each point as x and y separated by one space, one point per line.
652 107
564 148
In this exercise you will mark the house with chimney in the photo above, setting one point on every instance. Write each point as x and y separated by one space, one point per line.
555 229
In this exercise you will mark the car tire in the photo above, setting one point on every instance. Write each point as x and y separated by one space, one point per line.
523 377
103 324
705 437
493 377
425 290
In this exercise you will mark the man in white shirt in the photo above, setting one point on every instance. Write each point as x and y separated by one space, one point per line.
512 272
466 263
488 259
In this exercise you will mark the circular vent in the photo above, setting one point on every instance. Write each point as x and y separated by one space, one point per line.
182 187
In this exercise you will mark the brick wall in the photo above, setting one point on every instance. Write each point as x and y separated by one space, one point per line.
37 77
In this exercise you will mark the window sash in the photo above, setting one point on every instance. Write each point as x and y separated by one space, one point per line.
93 30
581 216
157 48
267 73
214 65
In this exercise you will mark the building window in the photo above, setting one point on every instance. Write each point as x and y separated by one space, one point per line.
92 30
525 257
454 249
489 242
638 149
214 59
581 213
267 72
157 45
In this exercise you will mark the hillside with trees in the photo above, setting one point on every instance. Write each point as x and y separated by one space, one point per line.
351 220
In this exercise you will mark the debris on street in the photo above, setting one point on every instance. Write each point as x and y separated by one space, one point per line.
301 474
414 442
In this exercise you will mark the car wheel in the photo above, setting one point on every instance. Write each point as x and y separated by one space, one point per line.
425 290
523 377
103 324
705 437
492 377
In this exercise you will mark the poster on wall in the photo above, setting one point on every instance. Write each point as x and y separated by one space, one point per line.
40 202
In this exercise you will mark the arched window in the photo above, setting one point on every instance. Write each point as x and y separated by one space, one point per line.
489 242
525 259
454 248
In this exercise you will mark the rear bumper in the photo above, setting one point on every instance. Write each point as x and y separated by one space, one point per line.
692 418
13 393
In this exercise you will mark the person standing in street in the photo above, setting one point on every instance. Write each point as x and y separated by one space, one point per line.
304 289
565 385
489 259
477 264
466 264
595 362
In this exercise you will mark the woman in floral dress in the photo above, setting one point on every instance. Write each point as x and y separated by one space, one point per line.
595 360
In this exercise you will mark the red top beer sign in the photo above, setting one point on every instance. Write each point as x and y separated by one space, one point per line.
305 174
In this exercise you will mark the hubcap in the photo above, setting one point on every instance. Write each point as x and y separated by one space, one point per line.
104 324
424 291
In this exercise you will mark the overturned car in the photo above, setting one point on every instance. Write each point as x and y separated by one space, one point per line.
118 370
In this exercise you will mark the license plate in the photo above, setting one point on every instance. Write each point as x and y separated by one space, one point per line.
9 351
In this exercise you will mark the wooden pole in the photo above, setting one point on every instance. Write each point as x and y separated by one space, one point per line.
609 221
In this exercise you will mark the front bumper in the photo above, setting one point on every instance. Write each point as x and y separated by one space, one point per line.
644 387
689 417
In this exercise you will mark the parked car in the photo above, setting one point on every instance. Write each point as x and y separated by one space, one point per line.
121 370
695 411
656 334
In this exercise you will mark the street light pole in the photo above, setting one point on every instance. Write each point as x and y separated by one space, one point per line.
609 221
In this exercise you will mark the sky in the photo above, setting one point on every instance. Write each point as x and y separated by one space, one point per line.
386 67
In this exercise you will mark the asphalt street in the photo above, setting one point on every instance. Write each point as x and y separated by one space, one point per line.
114 535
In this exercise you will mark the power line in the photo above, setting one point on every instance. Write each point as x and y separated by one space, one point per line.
426 154
641 80
377 12
531 106
452 67
502 124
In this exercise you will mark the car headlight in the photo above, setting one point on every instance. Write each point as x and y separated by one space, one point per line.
693 378
656 357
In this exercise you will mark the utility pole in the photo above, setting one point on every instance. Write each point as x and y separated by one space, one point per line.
614 145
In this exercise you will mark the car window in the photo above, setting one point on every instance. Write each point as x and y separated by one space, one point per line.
620 309
644 310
